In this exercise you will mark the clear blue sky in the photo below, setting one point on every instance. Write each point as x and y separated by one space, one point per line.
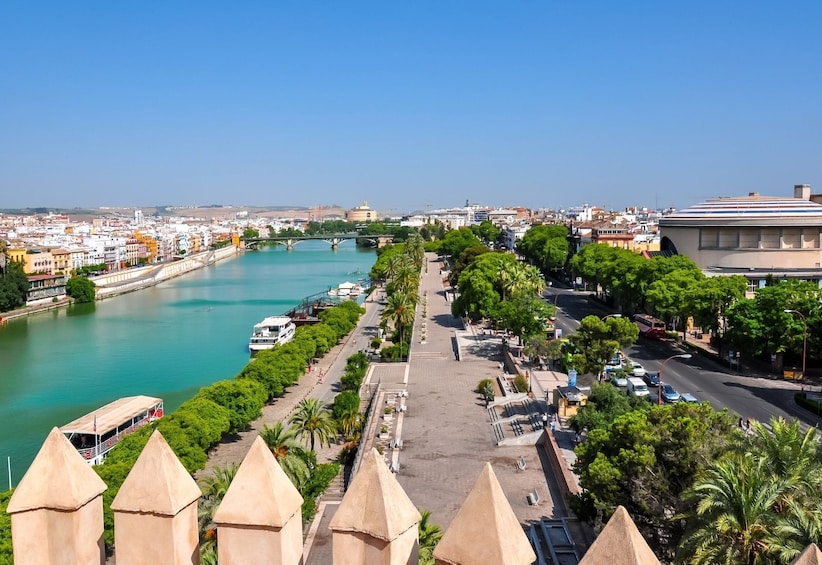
407 104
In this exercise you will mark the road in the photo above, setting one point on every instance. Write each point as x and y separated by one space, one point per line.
746 396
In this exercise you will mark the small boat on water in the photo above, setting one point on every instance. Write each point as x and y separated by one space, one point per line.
347 290
98 432
274 330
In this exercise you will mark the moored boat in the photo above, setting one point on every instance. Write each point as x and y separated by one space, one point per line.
274 330
98 432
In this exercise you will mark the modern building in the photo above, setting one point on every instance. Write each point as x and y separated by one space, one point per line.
755 236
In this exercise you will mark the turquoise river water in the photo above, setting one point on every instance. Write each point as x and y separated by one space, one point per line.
166 341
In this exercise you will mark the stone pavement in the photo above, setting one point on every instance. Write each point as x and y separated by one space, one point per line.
446 435
445 430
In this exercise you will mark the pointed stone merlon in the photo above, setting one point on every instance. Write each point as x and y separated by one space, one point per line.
260 518
485 531
619 542
810 556
57 510
376 522
155 511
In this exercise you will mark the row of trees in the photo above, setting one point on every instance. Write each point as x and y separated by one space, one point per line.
699 489
399 266
773 321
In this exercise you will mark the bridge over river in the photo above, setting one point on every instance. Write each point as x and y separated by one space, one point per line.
333 239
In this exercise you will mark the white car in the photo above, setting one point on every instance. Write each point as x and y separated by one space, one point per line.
636 369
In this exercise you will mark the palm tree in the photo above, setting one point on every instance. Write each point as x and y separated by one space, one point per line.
397 263
406 280
430 535
399 311
735 519
283 443
788 452
313 420
214 489
415 247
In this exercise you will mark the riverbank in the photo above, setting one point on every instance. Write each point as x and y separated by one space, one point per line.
131 280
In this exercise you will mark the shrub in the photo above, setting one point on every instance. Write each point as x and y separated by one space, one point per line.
521 383
375 343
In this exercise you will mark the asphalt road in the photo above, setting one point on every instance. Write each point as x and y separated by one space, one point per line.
744 395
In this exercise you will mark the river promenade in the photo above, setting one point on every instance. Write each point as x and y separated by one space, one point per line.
445 432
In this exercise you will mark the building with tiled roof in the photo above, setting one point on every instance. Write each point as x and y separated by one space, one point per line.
755 236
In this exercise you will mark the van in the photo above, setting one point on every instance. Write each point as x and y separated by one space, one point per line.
637 387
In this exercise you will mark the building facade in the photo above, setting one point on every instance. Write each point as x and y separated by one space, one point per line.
755 236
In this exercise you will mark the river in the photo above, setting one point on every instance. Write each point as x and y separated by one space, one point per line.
168 340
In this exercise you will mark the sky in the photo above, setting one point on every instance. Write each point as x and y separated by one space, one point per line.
408 105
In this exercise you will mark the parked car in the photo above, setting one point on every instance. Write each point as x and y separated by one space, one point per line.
619 380
688 397
651 379
637 387
669 393
636 369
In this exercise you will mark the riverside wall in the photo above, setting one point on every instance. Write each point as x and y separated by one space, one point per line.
121 282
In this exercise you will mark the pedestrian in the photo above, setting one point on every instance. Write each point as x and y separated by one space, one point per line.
576 438
740 423
748 424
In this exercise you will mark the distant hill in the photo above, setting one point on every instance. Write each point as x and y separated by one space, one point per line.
205 212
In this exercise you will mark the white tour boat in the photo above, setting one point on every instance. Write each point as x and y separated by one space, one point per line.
98 432
274 330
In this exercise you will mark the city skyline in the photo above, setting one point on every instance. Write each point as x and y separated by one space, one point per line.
543 105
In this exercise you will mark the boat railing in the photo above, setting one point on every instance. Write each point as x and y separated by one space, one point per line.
103 446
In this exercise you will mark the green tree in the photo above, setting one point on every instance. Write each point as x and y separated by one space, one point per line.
761 326
666 296
13 286
711 298
598 340
486 231
213 488
243 398
524 316
486 390
6 552
251 233
81 289
314 421
605 404
545 246
481 285
399 312
464 260
644 460
283 443
592 262
455 241
429 536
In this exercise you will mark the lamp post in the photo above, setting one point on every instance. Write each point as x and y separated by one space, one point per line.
659 386
804 338
611 316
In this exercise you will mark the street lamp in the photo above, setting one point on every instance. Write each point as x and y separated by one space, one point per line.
611 316
804 337
659 386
